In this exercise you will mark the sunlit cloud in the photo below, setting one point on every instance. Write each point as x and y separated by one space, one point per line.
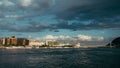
26 3
79 37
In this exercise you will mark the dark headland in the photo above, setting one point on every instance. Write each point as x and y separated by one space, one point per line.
114 43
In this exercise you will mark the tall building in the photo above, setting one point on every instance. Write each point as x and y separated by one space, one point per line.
7 41
22 41
14 41
1 41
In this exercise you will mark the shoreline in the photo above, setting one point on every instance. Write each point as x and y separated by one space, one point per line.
28 47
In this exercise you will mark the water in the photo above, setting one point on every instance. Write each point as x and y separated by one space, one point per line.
60 58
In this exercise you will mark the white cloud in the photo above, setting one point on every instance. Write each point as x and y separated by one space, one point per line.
84 37
79 37
50 37
6 3
26 3
36 4
13 16
61 37
89 38
99 38
53 2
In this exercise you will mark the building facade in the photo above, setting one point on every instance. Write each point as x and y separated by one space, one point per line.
52 43
36 43
14 41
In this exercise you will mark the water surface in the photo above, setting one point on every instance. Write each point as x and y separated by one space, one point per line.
60 58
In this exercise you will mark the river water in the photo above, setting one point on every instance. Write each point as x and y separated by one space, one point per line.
60 58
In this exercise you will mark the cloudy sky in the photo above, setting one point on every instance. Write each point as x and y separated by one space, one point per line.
87 21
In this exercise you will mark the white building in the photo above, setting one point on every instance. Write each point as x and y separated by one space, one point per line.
35 43
52 43
3 41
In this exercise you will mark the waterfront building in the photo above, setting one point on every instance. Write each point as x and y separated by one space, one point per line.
22 41
7 41
52 43
35 43
1 41
14 41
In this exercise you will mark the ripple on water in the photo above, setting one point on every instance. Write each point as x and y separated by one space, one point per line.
60 58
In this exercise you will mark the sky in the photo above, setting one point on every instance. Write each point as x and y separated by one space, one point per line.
90 22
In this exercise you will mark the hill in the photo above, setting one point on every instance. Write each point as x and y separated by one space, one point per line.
114 43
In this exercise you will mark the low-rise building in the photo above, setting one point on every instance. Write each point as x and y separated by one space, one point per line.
35 43
52 43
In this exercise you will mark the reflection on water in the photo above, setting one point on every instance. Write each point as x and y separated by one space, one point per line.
60 58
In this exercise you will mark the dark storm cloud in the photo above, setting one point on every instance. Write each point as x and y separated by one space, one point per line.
104 14
30 27
8 26
90 9
93 10
38 27
94 25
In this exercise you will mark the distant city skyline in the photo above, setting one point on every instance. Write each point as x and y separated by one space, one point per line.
87 21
